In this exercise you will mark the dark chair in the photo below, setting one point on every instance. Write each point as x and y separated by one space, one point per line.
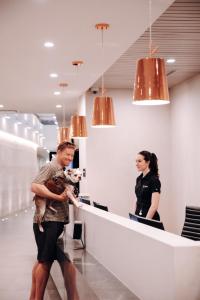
97 205
191 227
86 201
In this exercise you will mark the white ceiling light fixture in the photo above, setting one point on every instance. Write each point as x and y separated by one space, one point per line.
1 105
53 75
58 106
57 93
171 60
49 44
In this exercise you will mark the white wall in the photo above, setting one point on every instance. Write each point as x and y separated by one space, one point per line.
21 136
18 166
51 137
185 135
171 131
82 146
111 171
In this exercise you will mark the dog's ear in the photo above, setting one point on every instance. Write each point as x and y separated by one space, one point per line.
69 171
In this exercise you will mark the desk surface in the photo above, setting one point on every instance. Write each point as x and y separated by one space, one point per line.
160 235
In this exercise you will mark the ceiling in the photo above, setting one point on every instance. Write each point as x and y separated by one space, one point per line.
176 33
25 64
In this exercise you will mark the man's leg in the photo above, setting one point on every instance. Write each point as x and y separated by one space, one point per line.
69 275
33 287
41 277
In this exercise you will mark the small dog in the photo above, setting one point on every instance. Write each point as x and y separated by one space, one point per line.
61 181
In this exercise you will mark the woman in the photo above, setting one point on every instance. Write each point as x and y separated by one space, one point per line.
148 185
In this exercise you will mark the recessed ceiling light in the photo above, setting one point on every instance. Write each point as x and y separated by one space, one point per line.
56 93
171 60
58 106
48 44
53 75
1 105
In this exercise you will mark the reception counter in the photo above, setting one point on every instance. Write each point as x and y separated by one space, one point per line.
153 264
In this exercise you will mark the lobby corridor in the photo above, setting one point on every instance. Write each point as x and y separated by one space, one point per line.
18 252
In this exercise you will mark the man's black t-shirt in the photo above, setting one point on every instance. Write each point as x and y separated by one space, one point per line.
145 187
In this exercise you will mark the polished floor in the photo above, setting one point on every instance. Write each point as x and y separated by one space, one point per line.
17 255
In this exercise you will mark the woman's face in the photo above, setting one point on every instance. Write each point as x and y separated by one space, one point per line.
141 164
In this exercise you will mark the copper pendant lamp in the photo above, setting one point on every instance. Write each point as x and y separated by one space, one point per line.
150 87
64 132
78 123
78 127
103 111
103 114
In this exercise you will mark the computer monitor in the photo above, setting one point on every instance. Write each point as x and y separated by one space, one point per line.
97 205
150 222
86 201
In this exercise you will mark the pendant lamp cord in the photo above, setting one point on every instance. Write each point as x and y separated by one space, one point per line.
63 115
102 77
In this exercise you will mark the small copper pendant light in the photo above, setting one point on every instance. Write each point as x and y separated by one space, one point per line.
103 112
64 132
78 127
150 87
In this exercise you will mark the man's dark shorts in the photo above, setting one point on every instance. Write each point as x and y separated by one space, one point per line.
50 248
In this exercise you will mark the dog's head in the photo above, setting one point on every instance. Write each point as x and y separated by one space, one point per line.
73 175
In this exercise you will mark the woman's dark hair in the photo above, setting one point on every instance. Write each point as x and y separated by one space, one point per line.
62 146
152 158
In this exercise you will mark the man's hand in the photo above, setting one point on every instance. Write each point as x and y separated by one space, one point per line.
63 197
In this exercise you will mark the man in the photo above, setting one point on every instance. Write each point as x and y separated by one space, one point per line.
48 248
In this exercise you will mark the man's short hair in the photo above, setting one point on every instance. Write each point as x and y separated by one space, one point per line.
62 146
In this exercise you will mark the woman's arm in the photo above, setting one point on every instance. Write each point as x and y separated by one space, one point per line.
42 191
154 205
134 205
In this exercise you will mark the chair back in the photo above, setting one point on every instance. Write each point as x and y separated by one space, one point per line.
191 227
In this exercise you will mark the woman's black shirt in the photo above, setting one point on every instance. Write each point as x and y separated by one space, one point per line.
144 188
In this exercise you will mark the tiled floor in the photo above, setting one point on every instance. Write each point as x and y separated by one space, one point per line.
17 256
97 278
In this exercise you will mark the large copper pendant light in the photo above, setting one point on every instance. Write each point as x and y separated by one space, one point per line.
64 132
78 127
103 112
150 87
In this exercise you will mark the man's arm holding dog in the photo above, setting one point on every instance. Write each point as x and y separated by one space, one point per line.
42 191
